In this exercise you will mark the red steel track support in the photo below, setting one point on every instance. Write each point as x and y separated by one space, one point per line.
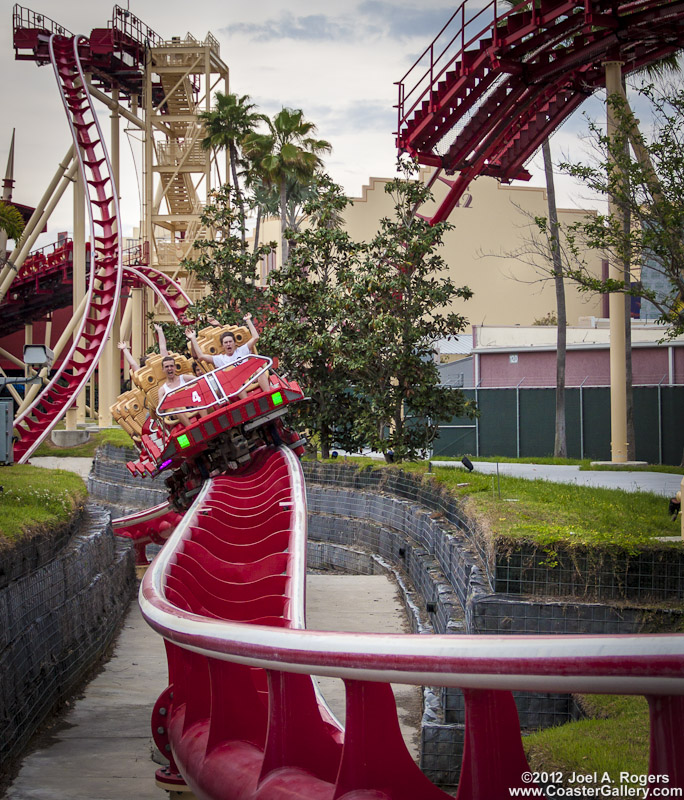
104 288
491 87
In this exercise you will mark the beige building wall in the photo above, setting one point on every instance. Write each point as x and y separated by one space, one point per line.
491 220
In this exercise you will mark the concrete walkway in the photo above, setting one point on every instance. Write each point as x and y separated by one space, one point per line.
661 483
81 466
102 748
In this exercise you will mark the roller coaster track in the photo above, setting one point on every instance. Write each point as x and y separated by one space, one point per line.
493 86
167 290
43 284
154 524
104 287
241 718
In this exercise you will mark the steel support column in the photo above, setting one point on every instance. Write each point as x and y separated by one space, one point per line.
109 382
76 414
618 394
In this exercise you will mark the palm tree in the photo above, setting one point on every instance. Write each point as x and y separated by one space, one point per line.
11 221
226 126
288 152
263 198
11 227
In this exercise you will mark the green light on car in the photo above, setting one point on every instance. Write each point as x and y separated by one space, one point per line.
277 398
183 441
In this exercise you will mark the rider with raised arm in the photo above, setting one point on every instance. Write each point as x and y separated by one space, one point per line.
173 381
132 363
232 351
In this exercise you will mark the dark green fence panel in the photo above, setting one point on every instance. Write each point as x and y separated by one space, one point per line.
596 416
573 436
646 424
537 422
458 436
497 425
658 414
469 394
454 442
673 430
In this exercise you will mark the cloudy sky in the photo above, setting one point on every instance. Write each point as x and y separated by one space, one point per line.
337 61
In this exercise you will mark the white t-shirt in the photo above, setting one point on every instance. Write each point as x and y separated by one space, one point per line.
164 389
224 360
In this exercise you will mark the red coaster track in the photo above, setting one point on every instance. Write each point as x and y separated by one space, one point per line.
44 284
241 718
106 273
492 86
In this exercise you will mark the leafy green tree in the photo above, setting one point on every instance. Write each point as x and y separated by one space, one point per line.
226 126
229 271
646 187
303 328
287 153
394 302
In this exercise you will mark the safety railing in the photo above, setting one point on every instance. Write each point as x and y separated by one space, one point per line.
23 17
126 24
461 31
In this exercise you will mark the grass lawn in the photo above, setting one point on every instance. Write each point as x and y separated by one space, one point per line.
554 513
115 436
34 498
614 739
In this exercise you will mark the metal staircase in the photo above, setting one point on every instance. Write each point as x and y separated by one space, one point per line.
497 81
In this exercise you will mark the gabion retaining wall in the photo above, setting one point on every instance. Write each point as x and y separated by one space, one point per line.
654 574
56 620
113 485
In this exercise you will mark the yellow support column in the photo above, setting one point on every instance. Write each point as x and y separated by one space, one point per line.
618 372
137 324
76 415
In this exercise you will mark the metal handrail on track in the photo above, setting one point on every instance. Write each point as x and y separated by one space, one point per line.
435 55
486 668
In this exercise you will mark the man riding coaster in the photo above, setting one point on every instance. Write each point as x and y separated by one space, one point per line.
232 352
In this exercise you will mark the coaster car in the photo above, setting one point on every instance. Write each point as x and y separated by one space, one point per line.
231 418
